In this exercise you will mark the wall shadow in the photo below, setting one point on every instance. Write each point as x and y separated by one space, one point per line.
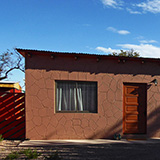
109 132
92 66
153 127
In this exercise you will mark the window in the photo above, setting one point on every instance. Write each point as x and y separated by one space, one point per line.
76 96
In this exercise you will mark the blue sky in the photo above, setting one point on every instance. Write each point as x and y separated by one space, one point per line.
87 26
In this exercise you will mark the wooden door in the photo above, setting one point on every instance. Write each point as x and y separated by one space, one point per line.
134 108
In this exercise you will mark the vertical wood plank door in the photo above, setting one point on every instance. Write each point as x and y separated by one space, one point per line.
134 108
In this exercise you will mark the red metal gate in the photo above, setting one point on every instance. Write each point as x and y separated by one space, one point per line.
12 115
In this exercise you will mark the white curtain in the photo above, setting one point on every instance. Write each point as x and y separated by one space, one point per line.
76 96
79 99
66 96
59 98
88 96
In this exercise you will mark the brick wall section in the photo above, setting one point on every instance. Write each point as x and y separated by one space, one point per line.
43 123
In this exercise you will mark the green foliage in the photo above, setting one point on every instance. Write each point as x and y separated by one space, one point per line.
1 138
13 155
31 154
130 53
53 156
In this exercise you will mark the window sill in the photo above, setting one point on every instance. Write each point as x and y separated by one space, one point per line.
74 112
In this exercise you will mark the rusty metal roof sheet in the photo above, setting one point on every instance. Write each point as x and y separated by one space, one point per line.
23 52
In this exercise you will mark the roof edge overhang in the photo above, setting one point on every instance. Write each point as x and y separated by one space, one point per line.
25 52
10 85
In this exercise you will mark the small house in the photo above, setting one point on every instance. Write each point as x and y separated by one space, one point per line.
90 96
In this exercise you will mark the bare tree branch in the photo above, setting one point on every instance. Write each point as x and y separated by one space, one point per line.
10 61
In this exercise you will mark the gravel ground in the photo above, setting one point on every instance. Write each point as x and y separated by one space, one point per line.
132 151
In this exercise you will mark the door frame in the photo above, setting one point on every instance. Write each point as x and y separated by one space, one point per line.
145 105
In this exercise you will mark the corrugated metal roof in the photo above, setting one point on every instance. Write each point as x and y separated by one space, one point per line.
45 52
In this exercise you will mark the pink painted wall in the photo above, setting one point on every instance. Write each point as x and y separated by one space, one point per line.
42 122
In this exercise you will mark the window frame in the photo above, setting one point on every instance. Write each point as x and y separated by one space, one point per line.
77 111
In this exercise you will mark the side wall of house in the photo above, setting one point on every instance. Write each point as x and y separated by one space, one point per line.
42 122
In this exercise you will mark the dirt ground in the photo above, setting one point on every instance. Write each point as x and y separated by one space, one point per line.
109 151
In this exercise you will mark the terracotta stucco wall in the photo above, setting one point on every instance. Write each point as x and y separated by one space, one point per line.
43 123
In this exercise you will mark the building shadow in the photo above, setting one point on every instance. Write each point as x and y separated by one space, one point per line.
153 127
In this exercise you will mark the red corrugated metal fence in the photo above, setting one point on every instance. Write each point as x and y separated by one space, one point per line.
12 115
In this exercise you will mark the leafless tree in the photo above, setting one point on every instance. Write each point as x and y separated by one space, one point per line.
10 61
